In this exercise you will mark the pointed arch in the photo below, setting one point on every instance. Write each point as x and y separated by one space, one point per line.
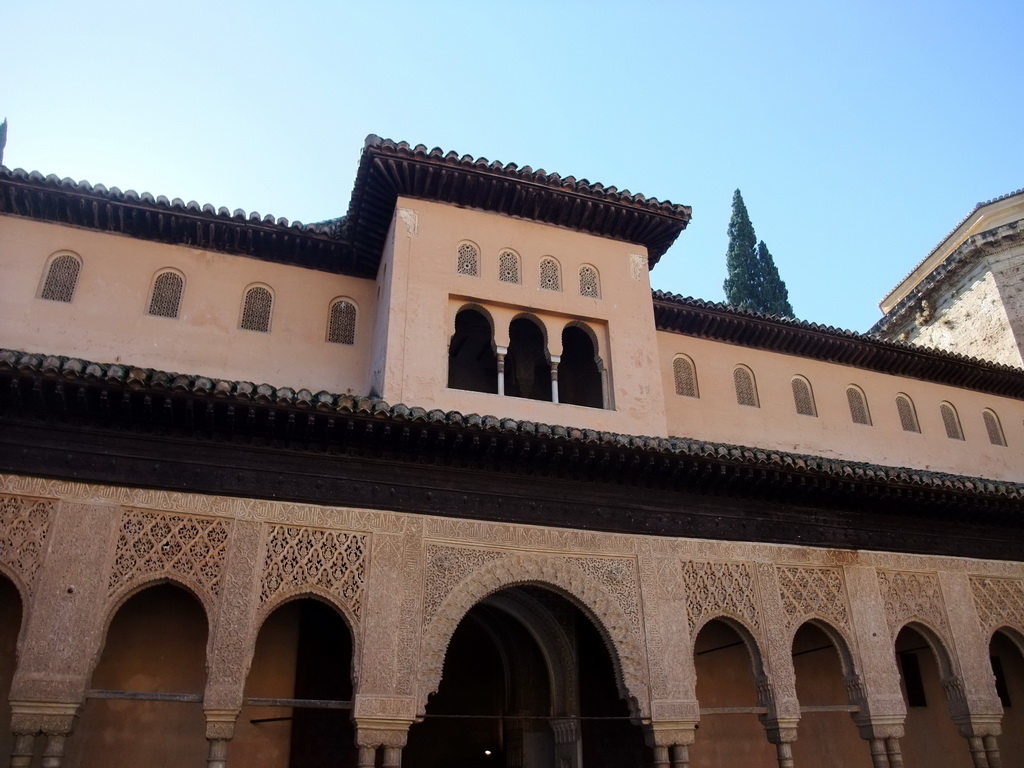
561 576
60 277
741 626
166 293
257 308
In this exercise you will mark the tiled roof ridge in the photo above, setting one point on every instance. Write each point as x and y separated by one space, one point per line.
975 209
954 262
806 325
132 377
115 194
527 173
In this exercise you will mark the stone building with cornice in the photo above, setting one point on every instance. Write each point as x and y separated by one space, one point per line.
442 482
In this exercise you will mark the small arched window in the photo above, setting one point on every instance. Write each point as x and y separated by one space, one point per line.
61 278
803 398
468 260
589 282
550 274
993 427
508 267
256 309
341 327
951 422
858 406
165 298
908 416
746 390
685 375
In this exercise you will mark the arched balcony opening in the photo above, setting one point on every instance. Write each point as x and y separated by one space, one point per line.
579 374
527 367
472 363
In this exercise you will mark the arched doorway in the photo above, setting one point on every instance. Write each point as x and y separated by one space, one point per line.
528 682
472 363
930 736
10 627
144 706
827 735
579 378
1006 651
527 367
729 732
298 692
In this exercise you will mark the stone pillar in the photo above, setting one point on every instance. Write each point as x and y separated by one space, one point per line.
671 742
883 737
502 351
52 721
24 749
220 728
555 360
782 733
568 750
385 736
981 732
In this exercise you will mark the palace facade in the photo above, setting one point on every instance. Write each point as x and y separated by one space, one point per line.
442 482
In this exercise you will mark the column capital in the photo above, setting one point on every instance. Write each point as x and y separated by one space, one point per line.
220 723
670 733
49 717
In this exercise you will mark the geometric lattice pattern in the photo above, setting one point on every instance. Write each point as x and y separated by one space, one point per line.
24 525
1000 602
446 567
508 267
810 592
717 588
746 392
951 422
166 298
468 262
685 377
908 418
158 542
256 310
908 596
298 558
61 278
995 431
802 397
858 406
342 326
589 285
550 276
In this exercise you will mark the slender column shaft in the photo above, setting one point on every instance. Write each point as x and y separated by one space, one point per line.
977 747
217 754
661 757
680 756
24 749
879 757
53 752
501 374
367 757
992 751
892 750
554 382
392 757
784 752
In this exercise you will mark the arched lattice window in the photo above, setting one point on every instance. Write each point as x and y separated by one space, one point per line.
803 398
951 422
256 309
908 416
550 275
858 406
994 429
685 375
589 283
746 390
61 278
341 328
468 261
165 298
508 267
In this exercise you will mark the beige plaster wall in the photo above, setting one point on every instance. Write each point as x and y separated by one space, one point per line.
107 320
427 292
716 416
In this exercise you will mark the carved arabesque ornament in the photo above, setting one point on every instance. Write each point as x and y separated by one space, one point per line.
445 568
910 596
24 526
809 592
566 577
300 558
720 588
153 543
1000 602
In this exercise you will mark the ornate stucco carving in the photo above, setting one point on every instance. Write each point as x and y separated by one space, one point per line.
720 589
910 596
1000 602
24 526
813 592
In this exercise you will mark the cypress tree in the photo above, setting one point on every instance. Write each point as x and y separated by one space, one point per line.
753 280
3 139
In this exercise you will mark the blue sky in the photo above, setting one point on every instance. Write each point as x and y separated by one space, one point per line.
859 133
